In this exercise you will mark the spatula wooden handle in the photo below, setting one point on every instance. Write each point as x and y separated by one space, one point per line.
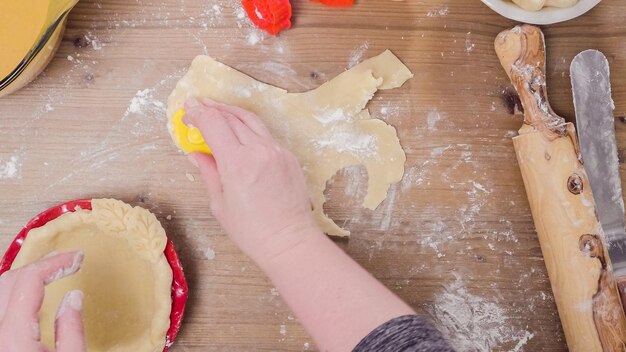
560 199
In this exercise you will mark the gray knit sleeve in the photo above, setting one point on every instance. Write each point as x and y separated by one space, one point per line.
408 333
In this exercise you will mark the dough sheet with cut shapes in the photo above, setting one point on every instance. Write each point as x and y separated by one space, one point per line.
327 128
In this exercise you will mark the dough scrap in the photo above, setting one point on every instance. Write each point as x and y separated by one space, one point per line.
536 5
327 128
125 276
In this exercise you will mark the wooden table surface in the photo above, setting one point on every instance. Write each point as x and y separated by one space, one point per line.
455 238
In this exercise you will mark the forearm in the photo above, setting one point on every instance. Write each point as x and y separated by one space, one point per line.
259 195
336 300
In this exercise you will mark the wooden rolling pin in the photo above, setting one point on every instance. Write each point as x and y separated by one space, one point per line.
571 239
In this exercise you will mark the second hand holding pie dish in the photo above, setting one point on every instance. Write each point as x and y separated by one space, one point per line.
130 267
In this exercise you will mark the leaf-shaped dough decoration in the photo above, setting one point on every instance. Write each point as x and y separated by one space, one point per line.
110 214
145 234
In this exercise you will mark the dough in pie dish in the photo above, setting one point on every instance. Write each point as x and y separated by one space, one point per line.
125 277
327 128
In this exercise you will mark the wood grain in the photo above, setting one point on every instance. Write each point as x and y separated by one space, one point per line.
456 237
561 201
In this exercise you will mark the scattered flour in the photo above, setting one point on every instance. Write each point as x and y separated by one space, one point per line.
436 238
141 125
523 341
93 41
433 117
389 110
278 68
479 187
511 134
415 175
253 37
469 46
356 180
388 207
209 253
143 102
10 169
438 151
240 13
146 111
211 17
473 323
357 54
280 47
283 329
438 11
347 142
328 116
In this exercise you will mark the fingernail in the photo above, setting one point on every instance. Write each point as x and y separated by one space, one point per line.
76 262
192 160
72 300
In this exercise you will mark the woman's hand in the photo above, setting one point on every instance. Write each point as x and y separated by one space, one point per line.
259 195
21 297
257 188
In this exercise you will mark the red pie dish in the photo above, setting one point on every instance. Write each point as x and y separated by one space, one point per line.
179 291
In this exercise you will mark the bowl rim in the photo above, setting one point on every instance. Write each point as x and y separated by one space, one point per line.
549 15
180 290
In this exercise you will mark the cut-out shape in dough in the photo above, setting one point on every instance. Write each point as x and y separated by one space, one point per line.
327 128
536 5
125 276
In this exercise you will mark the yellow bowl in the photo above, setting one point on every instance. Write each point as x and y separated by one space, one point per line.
38 56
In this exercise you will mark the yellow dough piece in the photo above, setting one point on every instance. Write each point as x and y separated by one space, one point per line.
327 128
536 5
125 276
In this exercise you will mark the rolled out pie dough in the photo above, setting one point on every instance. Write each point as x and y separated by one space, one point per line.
125 276
327 128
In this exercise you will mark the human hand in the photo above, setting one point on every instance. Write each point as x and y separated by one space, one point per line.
257 189
21 297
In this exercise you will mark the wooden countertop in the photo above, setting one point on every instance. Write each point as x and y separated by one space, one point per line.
455 238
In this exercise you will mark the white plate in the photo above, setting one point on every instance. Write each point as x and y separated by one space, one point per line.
547 15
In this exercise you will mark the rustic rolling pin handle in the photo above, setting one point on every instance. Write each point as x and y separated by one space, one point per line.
585 292
521 51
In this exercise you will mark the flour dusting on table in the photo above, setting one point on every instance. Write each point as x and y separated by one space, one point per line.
144 103
209 253
469 46
474 323
10 168
438 11
357 54
433 117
